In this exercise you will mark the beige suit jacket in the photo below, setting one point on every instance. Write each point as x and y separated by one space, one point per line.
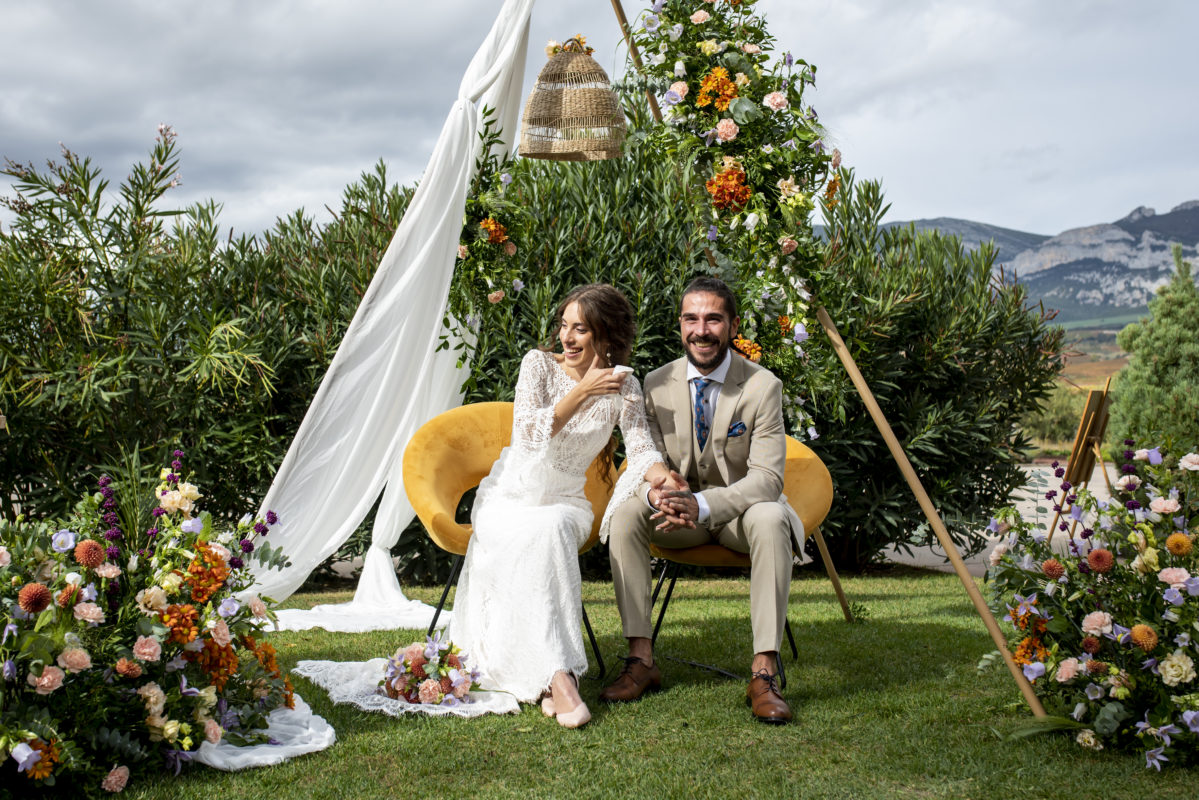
750 465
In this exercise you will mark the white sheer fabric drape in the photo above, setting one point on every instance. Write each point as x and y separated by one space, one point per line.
386 378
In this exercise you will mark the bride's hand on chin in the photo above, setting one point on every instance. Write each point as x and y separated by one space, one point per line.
599 380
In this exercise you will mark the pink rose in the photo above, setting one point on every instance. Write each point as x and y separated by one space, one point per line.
788 245
1175 576
219 550
775 101
495 296
680 88
147 648
89 613
107 570
1096 623
212 731
1163 505
726 130
74 659
5 556
462 251
220 633
751 48
700 17
115 781
257 607
51 679
413 650
1067 670
509 248
430 691
1189 461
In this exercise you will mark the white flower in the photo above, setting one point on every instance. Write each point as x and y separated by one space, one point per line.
657 60
675 31
680 69
1189 461
751 221
1177 668
1128 483
1088 739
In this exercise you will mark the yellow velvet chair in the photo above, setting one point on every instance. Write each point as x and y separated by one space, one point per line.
447 457
809 490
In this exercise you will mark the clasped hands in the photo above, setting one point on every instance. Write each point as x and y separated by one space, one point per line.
674 502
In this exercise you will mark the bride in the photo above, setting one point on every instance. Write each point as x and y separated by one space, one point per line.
518 612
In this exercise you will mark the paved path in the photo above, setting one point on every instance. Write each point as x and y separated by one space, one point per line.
1026 500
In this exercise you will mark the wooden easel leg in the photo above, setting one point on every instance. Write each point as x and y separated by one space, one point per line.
832 574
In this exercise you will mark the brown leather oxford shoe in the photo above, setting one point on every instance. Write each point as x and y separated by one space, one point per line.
763 698
635 679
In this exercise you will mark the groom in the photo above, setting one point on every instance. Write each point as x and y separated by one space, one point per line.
717 419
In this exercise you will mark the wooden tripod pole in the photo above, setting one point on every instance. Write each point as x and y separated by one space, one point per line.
880 421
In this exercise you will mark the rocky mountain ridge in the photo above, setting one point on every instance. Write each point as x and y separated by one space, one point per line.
1097 272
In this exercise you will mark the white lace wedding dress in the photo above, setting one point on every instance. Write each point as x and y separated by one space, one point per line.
517 613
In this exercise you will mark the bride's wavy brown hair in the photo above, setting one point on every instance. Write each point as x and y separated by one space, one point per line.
609 316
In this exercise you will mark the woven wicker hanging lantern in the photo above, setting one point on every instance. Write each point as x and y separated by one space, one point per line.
572 114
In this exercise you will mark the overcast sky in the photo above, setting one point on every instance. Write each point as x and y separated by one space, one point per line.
1039 116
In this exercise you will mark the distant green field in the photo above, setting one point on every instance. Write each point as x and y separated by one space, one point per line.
1103 322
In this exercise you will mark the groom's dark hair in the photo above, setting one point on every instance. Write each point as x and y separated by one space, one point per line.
713 286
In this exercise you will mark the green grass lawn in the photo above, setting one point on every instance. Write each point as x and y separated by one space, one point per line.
889 707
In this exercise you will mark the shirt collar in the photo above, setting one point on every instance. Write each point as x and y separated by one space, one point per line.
718 375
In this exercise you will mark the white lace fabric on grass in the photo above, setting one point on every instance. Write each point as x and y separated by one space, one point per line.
356 683
297 732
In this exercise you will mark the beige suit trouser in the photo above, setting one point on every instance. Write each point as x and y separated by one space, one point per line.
762 531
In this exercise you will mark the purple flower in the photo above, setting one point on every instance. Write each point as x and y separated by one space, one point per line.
1166 731
1180 523
104 481
151 533
176 758
788 59
1191 720
194 525
812 433
712 233
671 98
113 551
88 593
25 756
158 511
1192 585
235 562
658 6
1034 670
9 630
63 541
1155 456
800 334
434 645
271 518
1094 691
259 528
1173 597
505 178
1132 505
178 454
1119 633
517 284
10 670
172 477
1155 757
228 607
176 464
1050 495
651 22
247 546
817 145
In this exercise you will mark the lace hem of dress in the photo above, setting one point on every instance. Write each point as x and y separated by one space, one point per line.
356 683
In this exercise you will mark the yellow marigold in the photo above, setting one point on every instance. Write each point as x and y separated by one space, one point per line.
496 233
748 349
181 619
206 573
1029 650
45 765
1144 637
716 89
786 325
1179 544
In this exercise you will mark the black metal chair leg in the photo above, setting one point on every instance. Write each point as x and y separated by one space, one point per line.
450 581
674 575
778 657
658 586
599 660
790 640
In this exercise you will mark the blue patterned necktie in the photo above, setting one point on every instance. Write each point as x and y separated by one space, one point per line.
701 420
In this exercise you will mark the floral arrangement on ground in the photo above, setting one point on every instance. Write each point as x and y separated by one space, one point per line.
124 645
1105 623
431 672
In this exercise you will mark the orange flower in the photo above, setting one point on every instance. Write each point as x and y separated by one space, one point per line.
206 573
33 598
1091 644
496 234
830 191
45 765
786 325
181 619
218 662
89 553
1100 559
716 89
748 349
130 669
728 189
1179 544
1052 568
1144 637
68 595
1029 650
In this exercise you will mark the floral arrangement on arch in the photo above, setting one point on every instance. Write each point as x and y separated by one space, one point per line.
431 672
736 117
1105 623
124 646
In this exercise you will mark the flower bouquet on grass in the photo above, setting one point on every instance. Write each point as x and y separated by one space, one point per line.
123 645
432 672
1106 623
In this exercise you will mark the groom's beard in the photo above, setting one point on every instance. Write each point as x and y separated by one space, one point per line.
711 363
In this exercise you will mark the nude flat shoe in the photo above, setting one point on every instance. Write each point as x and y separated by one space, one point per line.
576 718
547 705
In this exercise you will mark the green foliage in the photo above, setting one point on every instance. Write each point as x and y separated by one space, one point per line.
1058 420
1157 394
954 358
